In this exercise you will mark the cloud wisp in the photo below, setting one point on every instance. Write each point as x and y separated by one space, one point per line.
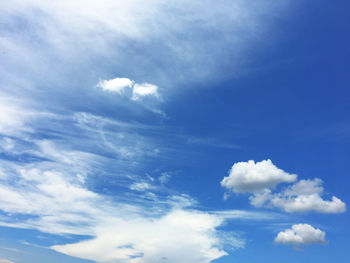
259 179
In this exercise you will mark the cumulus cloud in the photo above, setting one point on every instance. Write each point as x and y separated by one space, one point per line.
301 234
253 177
179 236
306 195
259 179
115 85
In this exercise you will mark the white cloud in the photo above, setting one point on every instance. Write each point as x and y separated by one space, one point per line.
306 195
254 177
301 234
115 85
179 236
58 201
260 178
2 260
138 92
145 89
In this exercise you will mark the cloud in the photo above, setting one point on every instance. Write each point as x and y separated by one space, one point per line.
2 260
115 85
301 234
145 89
164 178
140 186
259 179
179 236
139 91
54 194
150 41
303 196
253 177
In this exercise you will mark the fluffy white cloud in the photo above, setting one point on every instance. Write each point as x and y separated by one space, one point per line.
115 85
254 177
301 234
306 195
145 89
179 236
260 178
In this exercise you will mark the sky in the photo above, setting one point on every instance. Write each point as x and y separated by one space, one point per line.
148 131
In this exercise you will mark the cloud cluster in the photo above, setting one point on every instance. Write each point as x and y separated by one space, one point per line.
259 179
301 234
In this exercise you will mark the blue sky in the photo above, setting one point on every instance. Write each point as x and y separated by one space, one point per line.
195 132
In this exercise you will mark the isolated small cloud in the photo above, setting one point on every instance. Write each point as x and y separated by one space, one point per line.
254 177
145 89
115 85
301 234
139 91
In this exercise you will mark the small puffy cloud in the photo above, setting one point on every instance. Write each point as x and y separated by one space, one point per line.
301 234
145 89
306 195
115 85
253 177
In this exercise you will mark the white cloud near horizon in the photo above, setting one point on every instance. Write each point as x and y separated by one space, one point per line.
259 180
3 260
301 234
